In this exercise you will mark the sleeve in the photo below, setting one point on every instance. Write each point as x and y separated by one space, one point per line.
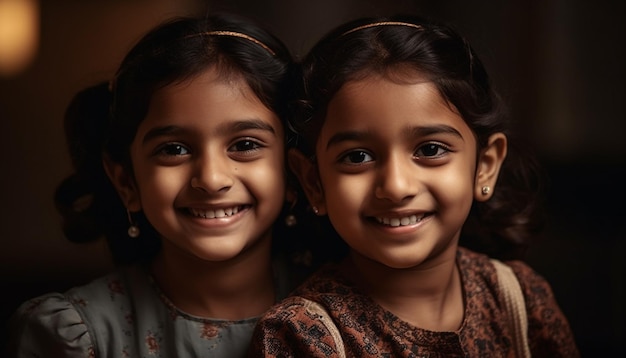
549 332
48 326
293 329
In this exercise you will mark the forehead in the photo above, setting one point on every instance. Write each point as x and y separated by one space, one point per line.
208 88
207 100
415 97
213 76
380 104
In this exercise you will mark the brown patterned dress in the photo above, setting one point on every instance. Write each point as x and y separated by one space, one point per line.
291 329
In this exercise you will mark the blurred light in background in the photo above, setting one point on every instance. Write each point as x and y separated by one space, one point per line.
19 35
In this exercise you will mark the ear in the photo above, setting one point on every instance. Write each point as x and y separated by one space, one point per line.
489 163
123 183
306 172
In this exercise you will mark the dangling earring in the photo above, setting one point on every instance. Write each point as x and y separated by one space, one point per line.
485 189
290 220
133 230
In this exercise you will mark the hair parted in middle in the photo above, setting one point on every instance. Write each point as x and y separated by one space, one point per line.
399 48
102 120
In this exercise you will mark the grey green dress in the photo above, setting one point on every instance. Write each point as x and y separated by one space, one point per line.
122 315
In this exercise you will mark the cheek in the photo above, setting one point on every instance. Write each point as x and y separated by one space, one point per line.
455 188
266 179
160 185
343 192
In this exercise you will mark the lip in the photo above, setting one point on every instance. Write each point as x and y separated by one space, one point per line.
213 216
217 212
399 221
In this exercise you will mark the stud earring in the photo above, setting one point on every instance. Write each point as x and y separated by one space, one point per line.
316 210
485 190
133 230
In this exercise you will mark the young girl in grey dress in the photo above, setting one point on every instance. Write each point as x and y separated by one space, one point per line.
179 163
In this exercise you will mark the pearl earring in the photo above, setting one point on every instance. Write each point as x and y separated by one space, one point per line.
485 190
290 220
133 230
316 210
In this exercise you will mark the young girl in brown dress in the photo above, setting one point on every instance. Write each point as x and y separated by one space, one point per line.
406 149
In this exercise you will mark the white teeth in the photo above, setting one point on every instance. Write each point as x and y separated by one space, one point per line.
212 214
404 221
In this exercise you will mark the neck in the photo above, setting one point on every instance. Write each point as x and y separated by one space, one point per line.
429 296
238 288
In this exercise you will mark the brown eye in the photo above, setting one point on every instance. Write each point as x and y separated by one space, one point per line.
431 150
357 157
173 149
246 145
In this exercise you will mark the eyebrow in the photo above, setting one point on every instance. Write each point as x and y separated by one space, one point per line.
346 136
410 132
247 124
230 127
437 129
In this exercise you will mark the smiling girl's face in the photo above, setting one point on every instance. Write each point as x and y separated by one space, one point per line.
397 170
208 165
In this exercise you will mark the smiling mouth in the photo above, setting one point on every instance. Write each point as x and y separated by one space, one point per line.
402 221
217 213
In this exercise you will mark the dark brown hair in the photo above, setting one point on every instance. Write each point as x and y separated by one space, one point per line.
103 119
399 45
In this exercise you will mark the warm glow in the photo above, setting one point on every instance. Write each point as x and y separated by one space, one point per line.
19 34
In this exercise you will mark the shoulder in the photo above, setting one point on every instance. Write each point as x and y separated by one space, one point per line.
536 289
326 281
295 326
307 323
292 308
111 287
549 332
480 267
477 271
531 281
466 256
48 323
68 322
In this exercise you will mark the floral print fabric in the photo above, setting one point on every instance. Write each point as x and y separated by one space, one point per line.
290 329
121 315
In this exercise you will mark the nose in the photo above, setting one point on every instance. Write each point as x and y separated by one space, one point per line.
397 179
212 174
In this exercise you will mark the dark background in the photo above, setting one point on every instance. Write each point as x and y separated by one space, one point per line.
560 65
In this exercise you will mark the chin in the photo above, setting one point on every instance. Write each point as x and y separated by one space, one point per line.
220 255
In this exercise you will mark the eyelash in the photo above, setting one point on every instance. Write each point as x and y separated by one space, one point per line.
438 147
256 145
166 149
433 145
344 159
174 149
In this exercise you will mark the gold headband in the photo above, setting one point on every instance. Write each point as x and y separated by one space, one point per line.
236 34
219 33
383 23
